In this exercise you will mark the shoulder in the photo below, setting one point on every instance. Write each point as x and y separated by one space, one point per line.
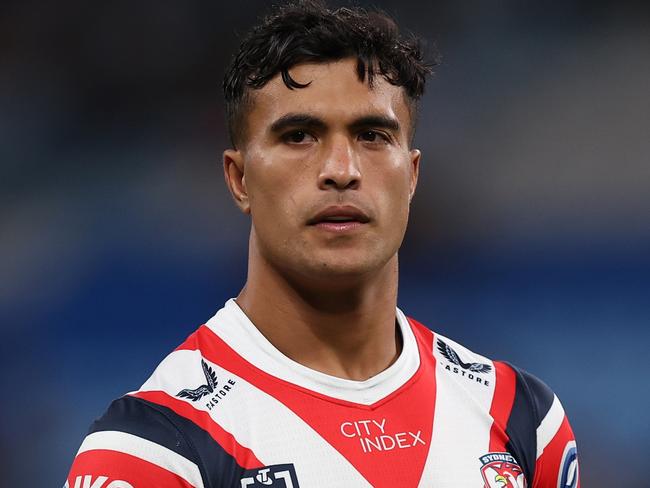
133 442
137 422
535 404
535 415
155 434
533 400
454 357
527 416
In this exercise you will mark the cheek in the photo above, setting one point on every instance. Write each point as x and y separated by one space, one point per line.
264 180
274 190
394 182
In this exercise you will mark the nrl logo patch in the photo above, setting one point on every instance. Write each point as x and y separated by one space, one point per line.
276 476
500 470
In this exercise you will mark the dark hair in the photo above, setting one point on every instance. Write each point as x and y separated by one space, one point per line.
307 31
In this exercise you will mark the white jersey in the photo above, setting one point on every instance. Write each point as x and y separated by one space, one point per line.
227 409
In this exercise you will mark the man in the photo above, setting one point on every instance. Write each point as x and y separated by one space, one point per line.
312 377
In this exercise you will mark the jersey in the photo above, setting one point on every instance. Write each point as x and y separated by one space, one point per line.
227 409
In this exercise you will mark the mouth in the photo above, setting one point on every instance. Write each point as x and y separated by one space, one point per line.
339 219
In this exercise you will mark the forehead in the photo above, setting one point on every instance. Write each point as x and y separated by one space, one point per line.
335 94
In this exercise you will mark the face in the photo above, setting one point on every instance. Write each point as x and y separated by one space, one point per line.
326 173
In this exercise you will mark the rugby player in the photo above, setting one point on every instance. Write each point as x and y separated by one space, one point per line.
312 377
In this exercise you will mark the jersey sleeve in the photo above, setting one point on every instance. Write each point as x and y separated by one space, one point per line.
541 435
135 445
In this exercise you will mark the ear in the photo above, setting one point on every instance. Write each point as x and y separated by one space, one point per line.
414 157
233 172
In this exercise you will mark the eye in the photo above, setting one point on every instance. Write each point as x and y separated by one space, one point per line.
298 137
372 136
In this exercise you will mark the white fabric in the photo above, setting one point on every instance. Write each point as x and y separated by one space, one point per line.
549 426
146 450
236 329
453 420
286 435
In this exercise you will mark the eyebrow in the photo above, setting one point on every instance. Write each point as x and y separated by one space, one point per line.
297 119
379 121
313 122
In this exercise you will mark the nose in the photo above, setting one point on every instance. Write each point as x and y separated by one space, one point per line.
340 167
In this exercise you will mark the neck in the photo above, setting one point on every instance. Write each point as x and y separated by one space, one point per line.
345 331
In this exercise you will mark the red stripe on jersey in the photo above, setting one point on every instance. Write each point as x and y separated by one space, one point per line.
191 342
242 455
547 467
387 442
423 335
118 466
504 397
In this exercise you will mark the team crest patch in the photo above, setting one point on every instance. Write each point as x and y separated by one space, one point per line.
276 476
500 470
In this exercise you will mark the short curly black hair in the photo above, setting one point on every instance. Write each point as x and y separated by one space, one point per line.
308 31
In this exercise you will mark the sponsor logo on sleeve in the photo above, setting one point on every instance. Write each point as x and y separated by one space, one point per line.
89 481
275 476
501 470
569 473
201 391
470 371
211 388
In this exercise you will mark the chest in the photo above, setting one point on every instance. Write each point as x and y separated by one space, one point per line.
432 433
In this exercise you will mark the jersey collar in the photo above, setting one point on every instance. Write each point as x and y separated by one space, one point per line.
233 326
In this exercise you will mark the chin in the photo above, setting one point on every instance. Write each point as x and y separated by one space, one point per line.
346 266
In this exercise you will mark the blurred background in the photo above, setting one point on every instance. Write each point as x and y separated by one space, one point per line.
529 239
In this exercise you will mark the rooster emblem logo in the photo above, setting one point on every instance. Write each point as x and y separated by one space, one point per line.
452 356
201 391
500 470
505 475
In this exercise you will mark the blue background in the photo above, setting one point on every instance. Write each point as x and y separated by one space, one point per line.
528 240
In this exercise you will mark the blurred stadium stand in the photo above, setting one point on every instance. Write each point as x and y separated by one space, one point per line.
529 238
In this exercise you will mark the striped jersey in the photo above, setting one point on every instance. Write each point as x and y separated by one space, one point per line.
227 409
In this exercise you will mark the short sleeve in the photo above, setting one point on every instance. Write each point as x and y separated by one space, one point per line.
540 433
135 445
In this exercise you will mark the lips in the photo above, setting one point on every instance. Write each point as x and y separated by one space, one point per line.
339 215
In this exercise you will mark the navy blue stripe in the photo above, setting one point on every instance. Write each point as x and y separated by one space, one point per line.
541 394
163 426
532 401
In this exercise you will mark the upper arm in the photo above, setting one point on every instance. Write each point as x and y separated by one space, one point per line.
540 431
135 445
